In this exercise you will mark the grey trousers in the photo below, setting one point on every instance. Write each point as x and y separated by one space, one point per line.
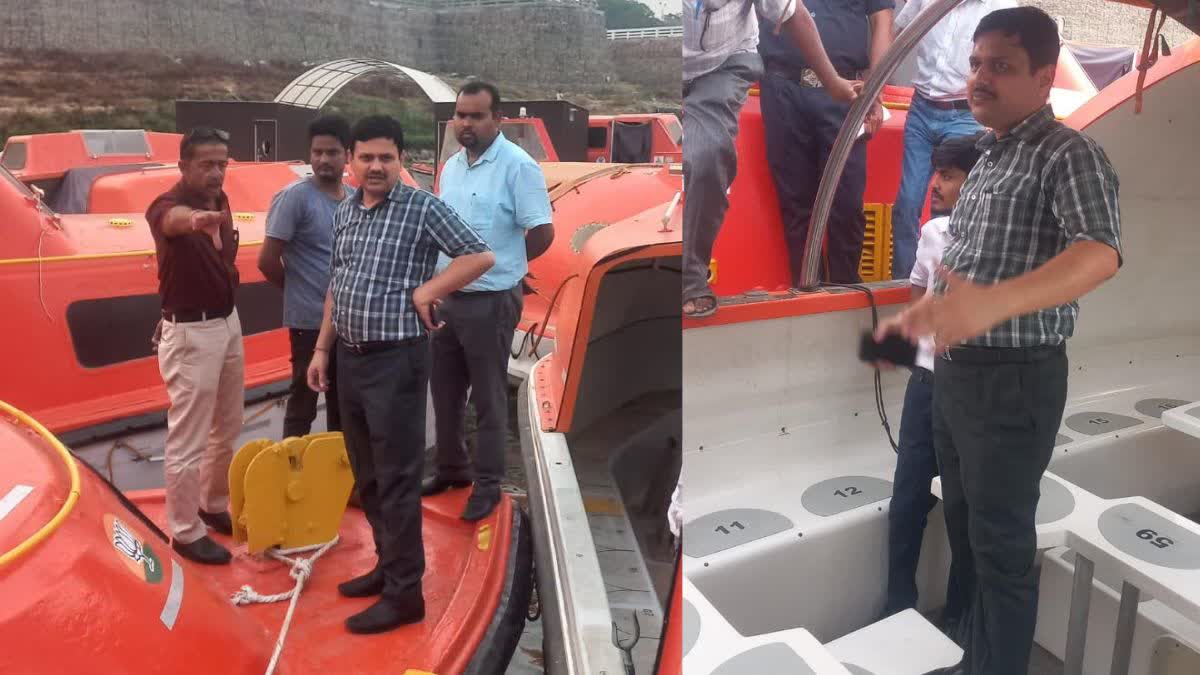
711 104
382 400
996 413
471 351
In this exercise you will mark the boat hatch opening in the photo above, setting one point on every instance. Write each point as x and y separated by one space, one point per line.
632 143
597 138
108 142
626 436
14 156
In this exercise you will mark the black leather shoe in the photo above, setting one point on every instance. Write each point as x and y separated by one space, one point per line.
219 522
364 586
386 615
436 485
480 504
204 551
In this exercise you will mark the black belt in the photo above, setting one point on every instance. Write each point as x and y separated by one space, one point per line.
477 294
960 104
191 316
807 76
374 346
1006 354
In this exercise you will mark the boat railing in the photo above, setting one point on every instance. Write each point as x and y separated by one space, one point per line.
652 33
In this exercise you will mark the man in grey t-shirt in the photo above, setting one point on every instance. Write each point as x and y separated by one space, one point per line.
295 257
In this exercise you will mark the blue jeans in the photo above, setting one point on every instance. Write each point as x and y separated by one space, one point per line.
916 466
925 127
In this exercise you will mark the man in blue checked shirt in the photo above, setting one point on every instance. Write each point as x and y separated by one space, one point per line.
1037 226
501 192
382 293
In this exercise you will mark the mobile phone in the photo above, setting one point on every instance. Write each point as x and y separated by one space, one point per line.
894 349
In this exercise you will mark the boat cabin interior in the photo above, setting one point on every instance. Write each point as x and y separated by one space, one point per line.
789 472
600 422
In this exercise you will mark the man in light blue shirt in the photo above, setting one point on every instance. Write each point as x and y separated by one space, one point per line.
501 193
295 257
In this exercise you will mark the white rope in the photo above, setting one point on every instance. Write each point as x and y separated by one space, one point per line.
301 570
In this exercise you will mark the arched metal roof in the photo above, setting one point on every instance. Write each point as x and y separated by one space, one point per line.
314 88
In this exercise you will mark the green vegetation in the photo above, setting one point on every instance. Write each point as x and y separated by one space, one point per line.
628 14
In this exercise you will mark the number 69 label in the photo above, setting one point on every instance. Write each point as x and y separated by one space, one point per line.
1154 540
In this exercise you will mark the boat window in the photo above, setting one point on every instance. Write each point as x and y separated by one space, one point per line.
674 130
108 331
525 135
100 143
14 156
598 137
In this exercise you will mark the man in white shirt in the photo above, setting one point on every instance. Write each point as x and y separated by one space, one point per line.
916 463
939 111
720 62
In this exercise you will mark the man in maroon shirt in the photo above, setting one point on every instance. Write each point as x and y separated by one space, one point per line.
200 354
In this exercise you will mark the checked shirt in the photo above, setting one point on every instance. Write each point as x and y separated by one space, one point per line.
1034 192
382 254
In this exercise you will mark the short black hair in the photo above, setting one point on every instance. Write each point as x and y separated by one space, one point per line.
478 87
1036 31
378 126
959 152
201 135
330 125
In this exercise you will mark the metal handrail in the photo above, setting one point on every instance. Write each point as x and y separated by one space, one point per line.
651 33
838 155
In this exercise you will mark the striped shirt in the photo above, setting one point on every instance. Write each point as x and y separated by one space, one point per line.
714 30
383 253
1034 192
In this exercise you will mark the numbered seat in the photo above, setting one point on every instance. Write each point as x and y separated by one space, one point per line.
761 560
1156 550
713 647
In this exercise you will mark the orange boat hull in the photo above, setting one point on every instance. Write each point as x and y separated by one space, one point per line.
77 602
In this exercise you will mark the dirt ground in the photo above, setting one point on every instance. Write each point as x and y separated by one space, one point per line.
57 91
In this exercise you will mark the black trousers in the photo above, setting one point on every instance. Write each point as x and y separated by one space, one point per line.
302 401
471 351
996 415
383 421
801 125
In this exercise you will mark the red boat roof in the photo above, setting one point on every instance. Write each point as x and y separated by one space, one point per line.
40 156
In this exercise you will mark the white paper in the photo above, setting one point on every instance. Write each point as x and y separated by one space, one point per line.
863 129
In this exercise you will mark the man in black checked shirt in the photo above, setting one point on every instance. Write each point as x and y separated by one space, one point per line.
1036 227
380 307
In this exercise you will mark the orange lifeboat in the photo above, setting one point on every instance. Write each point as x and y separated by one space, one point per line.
81 284
91 585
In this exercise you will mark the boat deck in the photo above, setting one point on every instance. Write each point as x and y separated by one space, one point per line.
464 575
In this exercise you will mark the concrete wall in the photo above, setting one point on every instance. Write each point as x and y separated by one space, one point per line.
555 42
551 43
1107 23
657 64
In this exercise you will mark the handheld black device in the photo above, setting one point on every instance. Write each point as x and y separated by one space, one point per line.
894 349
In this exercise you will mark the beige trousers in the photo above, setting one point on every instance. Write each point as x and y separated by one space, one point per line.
202 364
